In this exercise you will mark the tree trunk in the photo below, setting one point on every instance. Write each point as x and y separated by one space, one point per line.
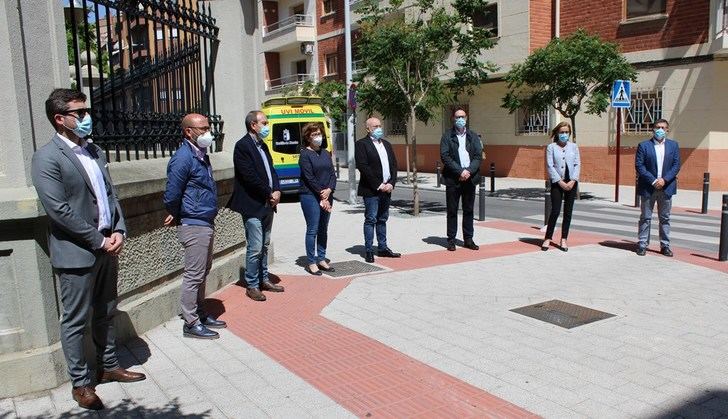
407 157
413 157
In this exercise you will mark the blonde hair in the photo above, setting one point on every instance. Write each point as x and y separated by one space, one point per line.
555 131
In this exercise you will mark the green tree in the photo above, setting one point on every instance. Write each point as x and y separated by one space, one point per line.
332 94
102 56
419 58
568 74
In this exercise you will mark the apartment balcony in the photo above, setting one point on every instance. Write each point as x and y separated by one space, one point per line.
288 32
719 45
289 82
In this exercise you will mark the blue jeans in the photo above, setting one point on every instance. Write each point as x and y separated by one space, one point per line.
317 225
664 205
376 213
257 235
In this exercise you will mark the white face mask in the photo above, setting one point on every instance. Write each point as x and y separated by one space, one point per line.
205 140
317 140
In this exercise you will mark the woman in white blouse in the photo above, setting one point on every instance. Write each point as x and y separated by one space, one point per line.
563 165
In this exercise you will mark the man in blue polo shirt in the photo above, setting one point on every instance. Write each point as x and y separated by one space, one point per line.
191 201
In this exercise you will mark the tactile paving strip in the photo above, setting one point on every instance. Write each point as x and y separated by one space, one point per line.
352 267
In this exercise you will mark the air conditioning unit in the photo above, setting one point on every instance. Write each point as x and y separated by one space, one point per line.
307 48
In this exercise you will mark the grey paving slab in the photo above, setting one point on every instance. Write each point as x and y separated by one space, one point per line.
35 407
662 307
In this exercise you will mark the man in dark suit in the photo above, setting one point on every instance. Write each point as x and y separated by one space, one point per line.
87 232
256 194
657 162
378 168
461 155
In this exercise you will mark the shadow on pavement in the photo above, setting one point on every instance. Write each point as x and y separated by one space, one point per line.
214 307
440 241
127 409
358 250
705 257
711 403
627 245
531 240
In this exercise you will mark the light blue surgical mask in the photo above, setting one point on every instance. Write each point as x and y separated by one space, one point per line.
264 131
659 134
460 122
83 126
378 133
563 137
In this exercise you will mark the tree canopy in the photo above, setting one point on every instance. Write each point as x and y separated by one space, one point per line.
568 74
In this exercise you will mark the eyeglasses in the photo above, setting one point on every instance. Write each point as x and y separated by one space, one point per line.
79 113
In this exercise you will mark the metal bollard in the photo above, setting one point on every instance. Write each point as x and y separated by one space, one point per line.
492 179
636 195
706 190
338 171
481 200
547 203
723 248
438 174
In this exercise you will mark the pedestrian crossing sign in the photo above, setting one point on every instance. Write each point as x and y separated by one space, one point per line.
621 94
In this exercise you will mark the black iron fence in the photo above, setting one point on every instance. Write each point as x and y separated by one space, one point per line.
144 64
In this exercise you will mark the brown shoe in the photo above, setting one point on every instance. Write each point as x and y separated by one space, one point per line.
255 294
121 375
269 286
87 398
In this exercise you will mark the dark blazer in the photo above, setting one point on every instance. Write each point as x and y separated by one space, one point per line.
370 167
66 193
451 158
251 191
646 164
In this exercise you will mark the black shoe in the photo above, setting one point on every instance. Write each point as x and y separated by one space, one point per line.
369 257
199 331
666 251
211 322
451 245
470 244
641 251
388 253
317 273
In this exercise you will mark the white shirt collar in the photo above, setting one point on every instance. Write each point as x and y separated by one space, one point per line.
70 143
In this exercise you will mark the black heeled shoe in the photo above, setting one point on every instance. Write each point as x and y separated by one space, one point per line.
564 247
326 268
545 245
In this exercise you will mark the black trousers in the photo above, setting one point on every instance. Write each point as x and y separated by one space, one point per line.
557 195
453 194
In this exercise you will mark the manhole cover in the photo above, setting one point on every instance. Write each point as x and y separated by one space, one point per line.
352 267
562 314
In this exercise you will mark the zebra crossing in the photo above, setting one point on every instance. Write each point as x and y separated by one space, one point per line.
692 231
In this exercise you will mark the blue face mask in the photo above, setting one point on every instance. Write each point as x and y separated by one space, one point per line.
659 134
264 131
378 133
460 122
83 127
563 137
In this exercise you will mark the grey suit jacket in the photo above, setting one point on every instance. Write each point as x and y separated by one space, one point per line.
67 196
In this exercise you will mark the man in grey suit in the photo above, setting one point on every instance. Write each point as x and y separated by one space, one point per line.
87 233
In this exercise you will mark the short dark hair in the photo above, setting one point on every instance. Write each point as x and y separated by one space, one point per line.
58 100
660 120
458 108
251 118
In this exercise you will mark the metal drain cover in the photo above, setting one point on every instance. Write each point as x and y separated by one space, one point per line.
352 267
562 314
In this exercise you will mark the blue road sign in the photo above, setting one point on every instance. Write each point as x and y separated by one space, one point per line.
621 94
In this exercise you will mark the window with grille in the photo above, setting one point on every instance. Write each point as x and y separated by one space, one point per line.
645 110
328 6
332 64
395 126
639 8
488 19
532 122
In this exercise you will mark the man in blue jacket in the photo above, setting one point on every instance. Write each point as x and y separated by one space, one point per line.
191 201
256 194
657 163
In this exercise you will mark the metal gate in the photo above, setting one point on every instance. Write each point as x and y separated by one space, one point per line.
143 64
